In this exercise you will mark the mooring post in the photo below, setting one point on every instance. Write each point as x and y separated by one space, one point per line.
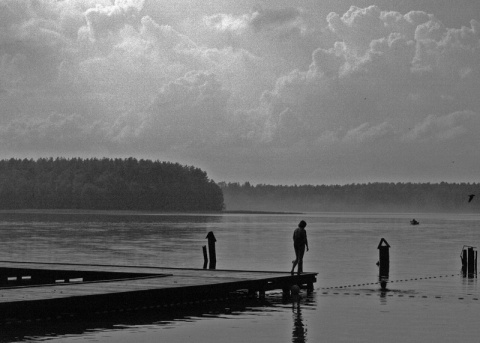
384 261
211 250
205 258
469 261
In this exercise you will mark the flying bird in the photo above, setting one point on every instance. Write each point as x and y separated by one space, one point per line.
470 197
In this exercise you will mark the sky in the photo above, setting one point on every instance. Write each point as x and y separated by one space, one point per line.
271 91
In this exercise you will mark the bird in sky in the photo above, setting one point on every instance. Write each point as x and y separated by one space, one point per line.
470 197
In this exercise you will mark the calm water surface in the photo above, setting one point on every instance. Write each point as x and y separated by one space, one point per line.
346 306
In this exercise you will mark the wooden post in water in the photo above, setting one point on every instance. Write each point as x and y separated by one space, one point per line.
469 261
205 258
384 259
211 250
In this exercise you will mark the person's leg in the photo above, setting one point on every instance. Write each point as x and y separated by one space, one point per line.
295 262
301 252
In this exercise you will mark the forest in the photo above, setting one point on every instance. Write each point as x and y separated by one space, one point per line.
371 197
106 184
131 184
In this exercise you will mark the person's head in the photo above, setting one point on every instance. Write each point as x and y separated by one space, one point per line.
302 224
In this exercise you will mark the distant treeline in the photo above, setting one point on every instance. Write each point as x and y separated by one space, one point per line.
372 197
107 184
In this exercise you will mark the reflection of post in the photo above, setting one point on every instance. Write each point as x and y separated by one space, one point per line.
383 262
211 250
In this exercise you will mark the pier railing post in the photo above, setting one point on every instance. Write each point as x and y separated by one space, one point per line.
211 250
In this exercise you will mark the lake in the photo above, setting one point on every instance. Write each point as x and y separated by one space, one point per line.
427 298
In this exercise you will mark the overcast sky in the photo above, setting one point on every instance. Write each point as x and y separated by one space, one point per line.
269 91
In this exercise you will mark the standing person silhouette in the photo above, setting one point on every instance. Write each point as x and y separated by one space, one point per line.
300 242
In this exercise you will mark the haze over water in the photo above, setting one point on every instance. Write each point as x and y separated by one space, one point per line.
347 305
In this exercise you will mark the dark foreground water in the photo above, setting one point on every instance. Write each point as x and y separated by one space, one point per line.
427 299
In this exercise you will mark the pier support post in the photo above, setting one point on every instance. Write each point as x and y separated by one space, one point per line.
211 250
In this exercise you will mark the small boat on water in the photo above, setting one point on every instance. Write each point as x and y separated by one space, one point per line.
414 222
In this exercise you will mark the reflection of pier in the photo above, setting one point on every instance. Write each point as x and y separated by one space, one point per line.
38 290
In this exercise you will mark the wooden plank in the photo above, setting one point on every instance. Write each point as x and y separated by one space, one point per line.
124 268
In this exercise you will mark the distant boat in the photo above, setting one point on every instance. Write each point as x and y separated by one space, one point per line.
414 222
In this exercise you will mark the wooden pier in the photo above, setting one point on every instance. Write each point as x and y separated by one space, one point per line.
30 290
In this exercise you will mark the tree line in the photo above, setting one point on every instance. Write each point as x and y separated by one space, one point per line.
371 197
106 184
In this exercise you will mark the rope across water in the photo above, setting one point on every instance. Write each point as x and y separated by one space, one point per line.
335 290
392 281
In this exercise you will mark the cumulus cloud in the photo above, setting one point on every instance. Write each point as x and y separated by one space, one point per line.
389 68
282 23
390 78
102 19
229 23
85 75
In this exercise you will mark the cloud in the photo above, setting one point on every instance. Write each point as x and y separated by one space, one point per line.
228 23
60 132
103 20
190 110
281 23
376 85
367 133
386 74
445 128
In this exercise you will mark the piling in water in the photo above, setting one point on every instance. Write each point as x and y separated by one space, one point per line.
469 261
384 259
205 258
211 250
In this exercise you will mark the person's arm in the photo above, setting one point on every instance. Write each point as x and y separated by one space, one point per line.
306 240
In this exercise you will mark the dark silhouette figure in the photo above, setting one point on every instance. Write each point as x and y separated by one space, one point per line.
470 197
300 242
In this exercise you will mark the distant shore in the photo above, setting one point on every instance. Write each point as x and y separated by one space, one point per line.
138 212
258 212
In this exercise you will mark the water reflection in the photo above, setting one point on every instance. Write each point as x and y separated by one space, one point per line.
383 296
299 333
128 322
